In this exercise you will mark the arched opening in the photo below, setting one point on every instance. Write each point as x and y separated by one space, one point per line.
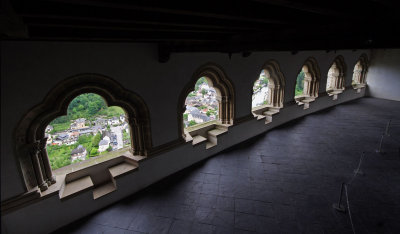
359 73
91 132
307 83
335 83
268 92
30 135
201 104
205 106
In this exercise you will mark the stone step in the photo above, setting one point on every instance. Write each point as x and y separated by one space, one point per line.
210 144
198 139
217 131
270 112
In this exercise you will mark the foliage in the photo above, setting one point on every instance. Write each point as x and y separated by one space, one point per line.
192 94
299 84
96 139
260 83
88 106
60 155
94 152
203 92
191 123
60 127
185 116
199 82
109 148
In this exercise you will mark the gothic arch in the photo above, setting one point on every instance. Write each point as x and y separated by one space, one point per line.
312 77
216 78
30 139
360 71
276 84
336 75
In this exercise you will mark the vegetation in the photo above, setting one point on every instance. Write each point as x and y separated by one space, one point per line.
192 122
199 82
260 83
299 84
60 127
185 116
88 106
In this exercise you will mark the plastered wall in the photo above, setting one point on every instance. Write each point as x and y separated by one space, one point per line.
30 69
384 74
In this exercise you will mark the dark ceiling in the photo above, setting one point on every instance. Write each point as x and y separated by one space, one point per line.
210 25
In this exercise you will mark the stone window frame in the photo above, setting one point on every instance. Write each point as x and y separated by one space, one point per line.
338 77
30 141
276 84
360 76
312 76
216 78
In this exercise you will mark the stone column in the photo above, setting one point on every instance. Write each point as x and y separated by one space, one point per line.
224 110
50 178
34 152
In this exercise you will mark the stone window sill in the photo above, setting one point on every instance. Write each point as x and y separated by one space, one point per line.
205 133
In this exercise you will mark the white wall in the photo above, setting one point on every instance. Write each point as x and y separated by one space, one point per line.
30 69
383 76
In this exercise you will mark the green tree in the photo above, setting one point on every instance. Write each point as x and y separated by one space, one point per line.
185 116
203 92
299 84
94 152
96 139
192 122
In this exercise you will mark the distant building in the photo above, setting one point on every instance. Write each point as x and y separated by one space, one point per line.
103 145
79 153
113 121
122 118
49 128
62 137
198 118
78 123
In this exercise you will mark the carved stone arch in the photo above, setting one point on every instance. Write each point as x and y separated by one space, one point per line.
30 139
336 78
360 71
276 84
312 77
217 78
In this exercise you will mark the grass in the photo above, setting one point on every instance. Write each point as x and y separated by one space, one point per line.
90 162
200 125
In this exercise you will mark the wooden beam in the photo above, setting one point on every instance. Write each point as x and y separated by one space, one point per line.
125 6
140 22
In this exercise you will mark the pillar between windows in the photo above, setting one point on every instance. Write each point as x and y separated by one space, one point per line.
48 174
34 152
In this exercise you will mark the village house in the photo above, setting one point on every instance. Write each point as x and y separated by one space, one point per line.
103 145
79 153
49 128
122 118
113 121
79 123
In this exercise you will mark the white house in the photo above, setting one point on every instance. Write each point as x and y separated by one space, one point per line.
79 153
103 145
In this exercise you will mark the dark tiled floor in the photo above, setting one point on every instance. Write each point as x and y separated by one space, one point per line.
284 181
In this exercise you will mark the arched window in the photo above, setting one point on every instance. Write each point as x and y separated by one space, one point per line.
335 83
359 73
90 132
268 92
201 104
31 132
307 83
209 94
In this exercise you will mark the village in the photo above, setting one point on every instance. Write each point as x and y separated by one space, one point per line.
201 104
113 134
